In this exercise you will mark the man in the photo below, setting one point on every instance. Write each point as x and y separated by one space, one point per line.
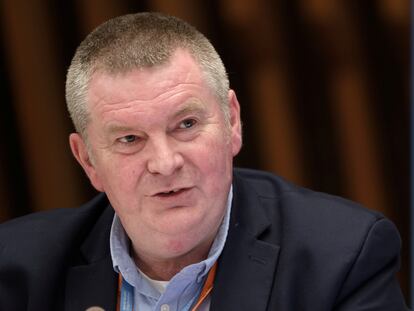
157 130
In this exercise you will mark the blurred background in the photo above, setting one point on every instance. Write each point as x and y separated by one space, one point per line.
323 87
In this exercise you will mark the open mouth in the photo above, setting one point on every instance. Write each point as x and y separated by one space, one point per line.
171 193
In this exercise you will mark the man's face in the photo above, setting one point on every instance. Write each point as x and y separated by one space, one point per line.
161 150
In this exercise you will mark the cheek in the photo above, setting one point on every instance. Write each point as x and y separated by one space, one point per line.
120 173
214 160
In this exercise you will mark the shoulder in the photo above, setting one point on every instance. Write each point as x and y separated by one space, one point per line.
56 219
59 228
332 246
311 218
36 250
296 202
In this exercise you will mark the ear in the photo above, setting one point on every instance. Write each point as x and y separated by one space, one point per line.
235 123
80 152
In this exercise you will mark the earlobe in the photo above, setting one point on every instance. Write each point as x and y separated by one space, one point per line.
80 152
235 123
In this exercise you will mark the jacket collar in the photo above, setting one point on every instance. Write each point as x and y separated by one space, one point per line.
247 265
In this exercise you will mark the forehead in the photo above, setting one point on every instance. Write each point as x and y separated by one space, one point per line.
180 72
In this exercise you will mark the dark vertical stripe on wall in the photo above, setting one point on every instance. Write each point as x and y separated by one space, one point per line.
312 104
66 21
412 165
389 100
390 104
135 6
17 199
236 65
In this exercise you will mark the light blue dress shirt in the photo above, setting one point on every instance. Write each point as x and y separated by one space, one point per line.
183 289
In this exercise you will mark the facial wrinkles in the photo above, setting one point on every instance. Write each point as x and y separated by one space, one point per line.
183 177
152 95
108 106
143 117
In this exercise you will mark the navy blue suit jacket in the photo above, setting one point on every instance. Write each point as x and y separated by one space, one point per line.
288 248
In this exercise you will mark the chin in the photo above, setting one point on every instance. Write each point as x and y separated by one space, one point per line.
178 247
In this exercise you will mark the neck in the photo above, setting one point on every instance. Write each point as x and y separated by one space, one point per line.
165 269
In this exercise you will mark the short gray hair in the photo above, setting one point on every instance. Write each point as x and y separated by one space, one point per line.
136 41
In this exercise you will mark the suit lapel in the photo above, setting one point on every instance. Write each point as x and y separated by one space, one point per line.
91 285
246 268
245 274
92 280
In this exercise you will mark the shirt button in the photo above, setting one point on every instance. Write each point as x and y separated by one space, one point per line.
165 307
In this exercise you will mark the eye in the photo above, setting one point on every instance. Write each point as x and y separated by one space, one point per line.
128 139
187 123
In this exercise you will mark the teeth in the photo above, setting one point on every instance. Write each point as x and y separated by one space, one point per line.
172 191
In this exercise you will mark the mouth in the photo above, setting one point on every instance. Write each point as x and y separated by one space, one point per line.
171 193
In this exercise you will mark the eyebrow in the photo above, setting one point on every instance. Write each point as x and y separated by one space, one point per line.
194 106
115 128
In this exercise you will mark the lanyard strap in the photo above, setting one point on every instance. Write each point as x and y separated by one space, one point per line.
125 295
126 292
208 286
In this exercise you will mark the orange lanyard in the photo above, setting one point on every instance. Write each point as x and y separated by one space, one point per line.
208 286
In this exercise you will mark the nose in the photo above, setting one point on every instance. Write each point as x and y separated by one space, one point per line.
164 158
